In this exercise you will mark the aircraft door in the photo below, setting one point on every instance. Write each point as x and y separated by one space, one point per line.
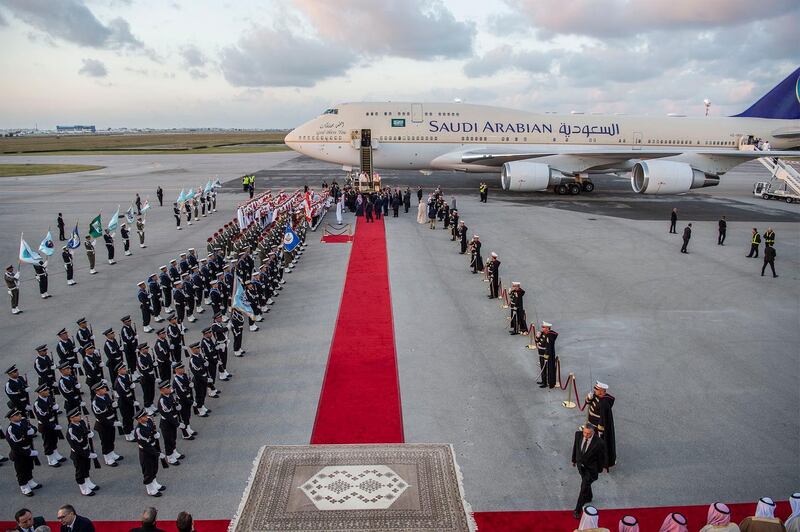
366 138
637 140
416 112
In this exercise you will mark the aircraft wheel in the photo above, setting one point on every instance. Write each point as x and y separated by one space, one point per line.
587 186
574 189
561 190
789 200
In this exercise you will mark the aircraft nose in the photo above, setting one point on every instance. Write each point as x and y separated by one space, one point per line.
291 139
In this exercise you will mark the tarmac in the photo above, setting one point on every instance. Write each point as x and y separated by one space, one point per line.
700 351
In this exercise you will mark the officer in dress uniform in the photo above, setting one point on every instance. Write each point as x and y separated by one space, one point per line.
113 353
147 376
40 269
215 296
219 332
494 277
46 411
84 333
600 403
476 260
515 301
179 300
175 337
11 278
43 364
182 386
69 387
130 341
174 272
209 348
109 241
144 305
187 206
92 365
462 235
169 410
188 293
165 281
149 452
66 350
199 366
105 422
163 353
125 389
17 390
88 244
125 234
546 344
79 438
237 329
66 256
155 297
140 231
176 211
19 435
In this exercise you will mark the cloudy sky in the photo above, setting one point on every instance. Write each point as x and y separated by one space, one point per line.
277 63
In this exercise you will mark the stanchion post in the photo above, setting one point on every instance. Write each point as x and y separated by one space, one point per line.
532 335
569 403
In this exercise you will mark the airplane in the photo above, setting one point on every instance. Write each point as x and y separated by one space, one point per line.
532 152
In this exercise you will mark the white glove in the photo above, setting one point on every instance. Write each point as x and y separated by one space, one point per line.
210 380
181 426
118 423
178 408
83 403
78 386
133 386
28 407
102 364
31 432
136 403
56 408
157 435
27 388
92 456
57 427
34 452
114 404
91 434
161 456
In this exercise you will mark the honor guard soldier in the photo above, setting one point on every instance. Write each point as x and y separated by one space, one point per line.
176 212
600 404
163 353
199 367
196 208
169 410
125 234
140 231
125 390
546 344
84 333
12 283
192 257
66 350
174 272
46 411
90 253
149 452
166 287
147 376
155 297
251 295
476 260
219 332
215 296
113 353
130 341
144 305
187 206
109 241
237 329
92 365
515 301
40 269
462 235
17 390
69 387
19 435
104 409
188 292
175 337
66 256
43 364
179 300
209 349
494 277
79 438
182 386
198 285
454 227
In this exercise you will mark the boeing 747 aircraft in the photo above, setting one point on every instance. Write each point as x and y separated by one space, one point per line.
666 155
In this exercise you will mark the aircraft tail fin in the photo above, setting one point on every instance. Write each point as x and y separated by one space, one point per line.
782 102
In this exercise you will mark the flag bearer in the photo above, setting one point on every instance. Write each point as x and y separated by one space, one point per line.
66 256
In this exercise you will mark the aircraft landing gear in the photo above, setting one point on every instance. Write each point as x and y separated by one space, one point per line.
587 186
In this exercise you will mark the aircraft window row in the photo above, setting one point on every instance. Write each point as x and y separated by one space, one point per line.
474 139
321 137
407 137
689 142
448 114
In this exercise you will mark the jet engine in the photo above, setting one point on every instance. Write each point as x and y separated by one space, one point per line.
668 177
525 176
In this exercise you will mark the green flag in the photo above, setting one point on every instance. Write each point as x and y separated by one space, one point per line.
96 227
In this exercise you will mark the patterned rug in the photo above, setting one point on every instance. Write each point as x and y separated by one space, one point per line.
342 488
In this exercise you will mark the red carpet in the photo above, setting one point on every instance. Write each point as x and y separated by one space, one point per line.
360 397
218 525
337 239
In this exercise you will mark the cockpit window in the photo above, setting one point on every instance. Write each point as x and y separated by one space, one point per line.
331 112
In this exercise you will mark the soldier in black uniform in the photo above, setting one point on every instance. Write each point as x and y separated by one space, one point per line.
125 389
182 386
219 331
113 353
46 411
17 391
109 240
105 415
600 403
237 329
163 355
476 260
40 269
147 376
215 296
69 387
515 300
454 227
130 341
125 234
176 211
149 452
169 410
84 333
166 287
144 305
92 365
19 435
11 278
43 364
173 271
179 300
199 367
494 277
66 350
462 235
155 297
79 438
209 349
187 206
546 344
175 337
188 297
66 256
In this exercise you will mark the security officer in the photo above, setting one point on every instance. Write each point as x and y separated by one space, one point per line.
494 276
147 376
40 269
43 364
130 341
109 240
90 253
17 391
163 355
46 411
182 385
144 305
69 387
755 241
66 256
79 438
140 231
199 367
149 452
19 435
12 283
769 237
169 410
125 390
515 301
125 234
106 422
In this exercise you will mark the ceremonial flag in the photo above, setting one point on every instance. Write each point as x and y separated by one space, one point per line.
26 254
47 247
307 206
74 241
217 184
181 197
239 301
146 206
114 221
130 215
208 188
290 239
96 227
189 195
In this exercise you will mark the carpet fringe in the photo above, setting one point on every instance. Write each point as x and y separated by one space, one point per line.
471 523
248 487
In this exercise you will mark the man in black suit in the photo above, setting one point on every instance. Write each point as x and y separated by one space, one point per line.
589 456
26 522
72 522
687 235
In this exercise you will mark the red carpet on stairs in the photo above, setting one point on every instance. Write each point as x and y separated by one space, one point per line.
360 397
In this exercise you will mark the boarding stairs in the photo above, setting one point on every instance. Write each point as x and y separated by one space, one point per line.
785 171
366 160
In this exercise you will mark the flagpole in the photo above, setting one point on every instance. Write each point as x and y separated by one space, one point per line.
19 260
